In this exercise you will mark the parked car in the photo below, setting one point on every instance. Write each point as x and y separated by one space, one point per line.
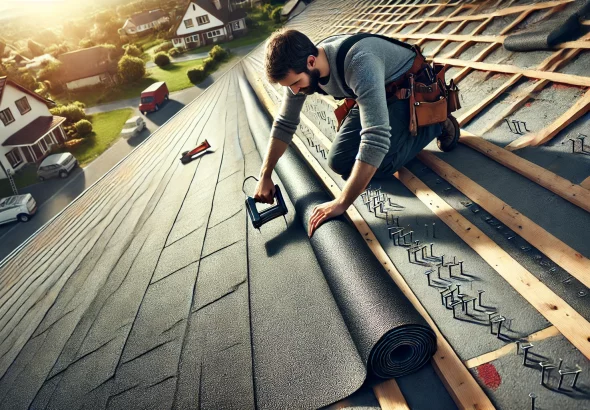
17 208
56 165
133 126
153 97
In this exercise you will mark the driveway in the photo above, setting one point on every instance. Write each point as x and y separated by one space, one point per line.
53 196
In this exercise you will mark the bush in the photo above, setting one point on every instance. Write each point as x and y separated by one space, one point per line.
85 43
208 64
276 15
174 52
73 112
131 69
161 59
133 50
83 128
218 53
164 47
196 75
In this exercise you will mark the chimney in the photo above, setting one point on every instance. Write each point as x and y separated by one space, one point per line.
217 4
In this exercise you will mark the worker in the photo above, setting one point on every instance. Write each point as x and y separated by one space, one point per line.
374 139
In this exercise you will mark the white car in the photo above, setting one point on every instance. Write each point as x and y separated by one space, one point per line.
17 208
133 127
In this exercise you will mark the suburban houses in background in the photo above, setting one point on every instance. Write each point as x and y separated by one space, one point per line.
209 21
27 128
87 67
145 22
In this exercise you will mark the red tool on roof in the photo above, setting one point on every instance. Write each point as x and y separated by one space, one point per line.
201 149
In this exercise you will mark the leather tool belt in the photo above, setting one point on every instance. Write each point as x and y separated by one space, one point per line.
431 99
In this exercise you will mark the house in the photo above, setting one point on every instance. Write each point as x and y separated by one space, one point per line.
27 128
208 22
293 7
87 67
144 22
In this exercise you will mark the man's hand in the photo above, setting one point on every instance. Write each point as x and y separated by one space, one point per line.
265 191
323 212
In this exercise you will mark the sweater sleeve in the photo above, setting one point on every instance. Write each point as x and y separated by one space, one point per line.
365 75
287 120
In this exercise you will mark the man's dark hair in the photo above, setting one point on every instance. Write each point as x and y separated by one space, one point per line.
287 50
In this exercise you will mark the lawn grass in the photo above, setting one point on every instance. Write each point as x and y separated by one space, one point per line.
106 127
174 74
25 176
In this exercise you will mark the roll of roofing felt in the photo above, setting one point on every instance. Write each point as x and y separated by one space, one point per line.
391 337
564 26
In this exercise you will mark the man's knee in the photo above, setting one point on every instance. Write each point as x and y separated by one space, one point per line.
340 164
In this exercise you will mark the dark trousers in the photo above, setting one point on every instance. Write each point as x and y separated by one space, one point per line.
403 146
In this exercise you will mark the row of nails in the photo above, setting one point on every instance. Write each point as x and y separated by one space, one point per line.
581 138
516 125
317 147
549 366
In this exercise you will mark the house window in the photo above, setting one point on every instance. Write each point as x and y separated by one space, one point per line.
6 116
236 25
189 23
43 145
202 20
194 7
214 33
188 40
196 38
14 158
23 105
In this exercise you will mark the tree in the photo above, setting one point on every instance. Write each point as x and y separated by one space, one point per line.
2 49
46 37
51 72
133 50
35 48
131 69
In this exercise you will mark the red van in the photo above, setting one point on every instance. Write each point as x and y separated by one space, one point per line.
153 97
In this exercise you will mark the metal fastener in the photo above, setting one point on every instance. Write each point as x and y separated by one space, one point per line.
479 293
434 230
544 367
453 306
533 396
526 349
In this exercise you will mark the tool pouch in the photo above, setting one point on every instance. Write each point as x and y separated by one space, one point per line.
342 111
431 103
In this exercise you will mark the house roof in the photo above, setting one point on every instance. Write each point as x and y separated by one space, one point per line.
84 63
4 81
34 131
146 17
224 14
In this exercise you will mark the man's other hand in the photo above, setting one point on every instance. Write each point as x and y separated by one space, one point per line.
323 212
265 191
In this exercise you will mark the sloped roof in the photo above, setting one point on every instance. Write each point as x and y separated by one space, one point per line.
224 14
33 131
147 17
4 81
84 63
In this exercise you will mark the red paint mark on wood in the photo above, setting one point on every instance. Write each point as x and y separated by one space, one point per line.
489 375
528 104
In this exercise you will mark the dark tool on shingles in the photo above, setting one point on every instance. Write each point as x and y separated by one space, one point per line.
259 218
201 149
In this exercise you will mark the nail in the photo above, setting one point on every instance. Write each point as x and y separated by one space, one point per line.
533 396
479 293
434 230
526 352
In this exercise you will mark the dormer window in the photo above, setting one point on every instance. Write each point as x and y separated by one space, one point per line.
194 7
23 105
202 20
189 23
6 116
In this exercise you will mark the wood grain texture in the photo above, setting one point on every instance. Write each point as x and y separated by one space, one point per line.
569 191
566 319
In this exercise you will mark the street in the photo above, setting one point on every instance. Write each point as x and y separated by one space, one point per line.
54 195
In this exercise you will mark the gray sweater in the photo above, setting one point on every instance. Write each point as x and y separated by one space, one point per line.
369 65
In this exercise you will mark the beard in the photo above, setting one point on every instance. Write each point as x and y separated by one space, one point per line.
314 81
